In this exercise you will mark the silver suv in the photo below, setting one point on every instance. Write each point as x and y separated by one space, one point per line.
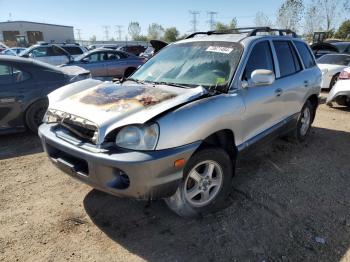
175 128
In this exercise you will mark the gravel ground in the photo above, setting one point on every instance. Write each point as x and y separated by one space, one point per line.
289 203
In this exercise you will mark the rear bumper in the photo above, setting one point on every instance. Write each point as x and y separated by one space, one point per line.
135 174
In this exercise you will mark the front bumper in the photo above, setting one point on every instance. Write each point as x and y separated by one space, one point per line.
151 174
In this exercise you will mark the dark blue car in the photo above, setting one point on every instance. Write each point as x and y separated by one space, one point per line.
24 86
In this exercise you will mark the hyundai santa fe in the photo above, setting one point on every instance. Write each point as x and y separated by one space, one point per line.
174 129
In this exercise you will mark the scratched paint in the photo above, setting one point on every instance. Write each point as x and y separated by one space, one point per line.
118 98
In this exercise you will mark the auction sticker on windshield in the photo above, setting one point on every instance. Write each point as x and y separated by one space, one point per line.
219 49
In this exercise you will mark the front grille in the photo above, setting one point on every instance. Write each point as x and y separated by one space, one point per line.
81 130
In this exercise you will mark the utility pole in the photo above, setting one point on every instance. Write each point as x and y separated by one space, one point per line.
106 31
194 20
211 20
119 31
79 34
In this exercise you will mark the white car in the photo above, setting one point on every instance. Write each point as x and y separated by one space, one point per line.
331 65
341 90
55 54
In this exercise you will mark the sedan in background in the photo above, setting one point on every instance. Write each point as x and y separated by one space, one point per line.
13 51
24 86
108 63
331 65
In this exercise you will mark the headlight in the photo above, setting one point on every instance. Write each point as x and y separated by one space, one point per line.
138 137
50 117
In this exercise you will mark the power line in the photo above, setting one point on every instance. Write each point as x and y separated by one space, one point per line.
194 20
106 31
119 31
211 20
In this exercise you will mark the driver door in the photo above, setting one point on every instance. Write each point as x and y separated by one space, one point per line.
263 103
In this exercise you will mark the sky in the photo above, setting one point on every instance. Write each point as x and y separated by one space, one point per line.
91 18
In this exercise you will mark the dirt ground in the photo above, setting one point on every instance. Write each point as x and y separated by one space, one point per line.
289 203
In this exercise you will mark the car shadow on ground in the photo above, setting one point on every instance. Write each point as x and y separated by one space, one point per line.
289 203
29 144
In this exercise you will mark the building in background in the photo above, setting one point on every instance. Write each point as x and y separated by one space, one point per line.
14 33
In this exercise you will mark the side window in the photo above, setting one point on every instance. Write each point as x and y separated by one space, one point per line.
305 54
56 51
110 56
259 58
122 55
73 50
94 57
287 59
5 74
39 51
20 75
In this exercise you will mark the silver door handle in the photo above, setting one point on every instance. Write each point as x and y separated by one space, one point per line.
278 91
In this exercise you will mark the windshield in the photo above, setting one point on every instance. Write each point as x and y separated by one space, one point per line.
334 60
341 46
192 64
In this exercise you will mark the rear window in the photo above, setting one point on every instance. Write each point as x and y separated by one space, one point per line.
73 50
335 60
287 59
305 54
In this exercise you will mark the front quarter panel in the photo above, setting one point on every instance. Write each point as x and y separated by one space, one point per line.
201 118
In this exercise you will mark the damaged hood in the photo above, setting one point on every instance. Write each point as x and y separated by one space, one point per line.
110 105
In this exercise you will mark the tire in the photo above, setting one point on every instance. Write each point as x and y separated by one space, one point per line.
212 194
35 114
343 101
303 125
128 72
333 81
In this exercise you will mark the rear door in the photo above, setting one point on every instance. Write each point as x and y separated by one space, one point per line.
95 64
263 103
290 77
11 95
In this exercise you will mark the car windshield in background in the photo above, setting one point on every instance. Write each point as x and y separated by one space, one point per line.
192 64
334 60
342 47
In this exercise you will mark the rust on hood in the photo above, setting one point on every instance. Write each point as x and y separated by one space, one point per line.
120 98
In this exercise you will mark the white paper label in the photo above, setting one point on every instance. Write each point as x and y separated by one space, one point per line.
219 49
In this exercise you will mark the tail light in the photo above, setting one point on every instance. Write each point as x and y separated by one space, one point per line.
345 74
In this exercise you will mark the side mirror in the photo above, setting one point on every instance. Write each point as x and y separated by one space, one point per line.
262 77
85 60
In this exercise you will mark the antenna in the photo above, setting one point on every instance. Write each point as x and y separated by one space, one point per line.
211 20
194 20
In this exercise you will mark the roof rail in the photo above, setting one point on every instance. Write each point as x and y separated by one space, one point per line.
250 31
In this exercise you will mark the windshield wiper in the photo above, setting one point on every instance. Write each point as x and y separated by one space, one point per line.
169 84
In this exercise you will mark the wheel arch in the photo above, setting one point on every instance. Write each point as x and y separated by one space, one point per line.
29 104
224 139
313 99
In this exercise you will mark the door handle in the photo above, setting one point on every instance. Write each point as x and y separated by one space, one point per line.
278 91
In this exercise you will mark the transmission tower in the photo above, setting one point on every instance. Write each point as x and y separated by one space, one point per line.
211 20
194 20
79 34
119 31
106 31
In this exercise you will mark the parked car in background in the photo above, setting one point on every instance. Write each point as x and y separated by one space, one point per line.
132 49
13 51
24 86
109 46
111 63
331 65
55 54
174 129
156 46
330 47
341 90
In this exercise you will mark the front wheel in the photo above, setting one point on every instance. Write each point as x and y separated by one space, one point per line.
206 184
34 115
